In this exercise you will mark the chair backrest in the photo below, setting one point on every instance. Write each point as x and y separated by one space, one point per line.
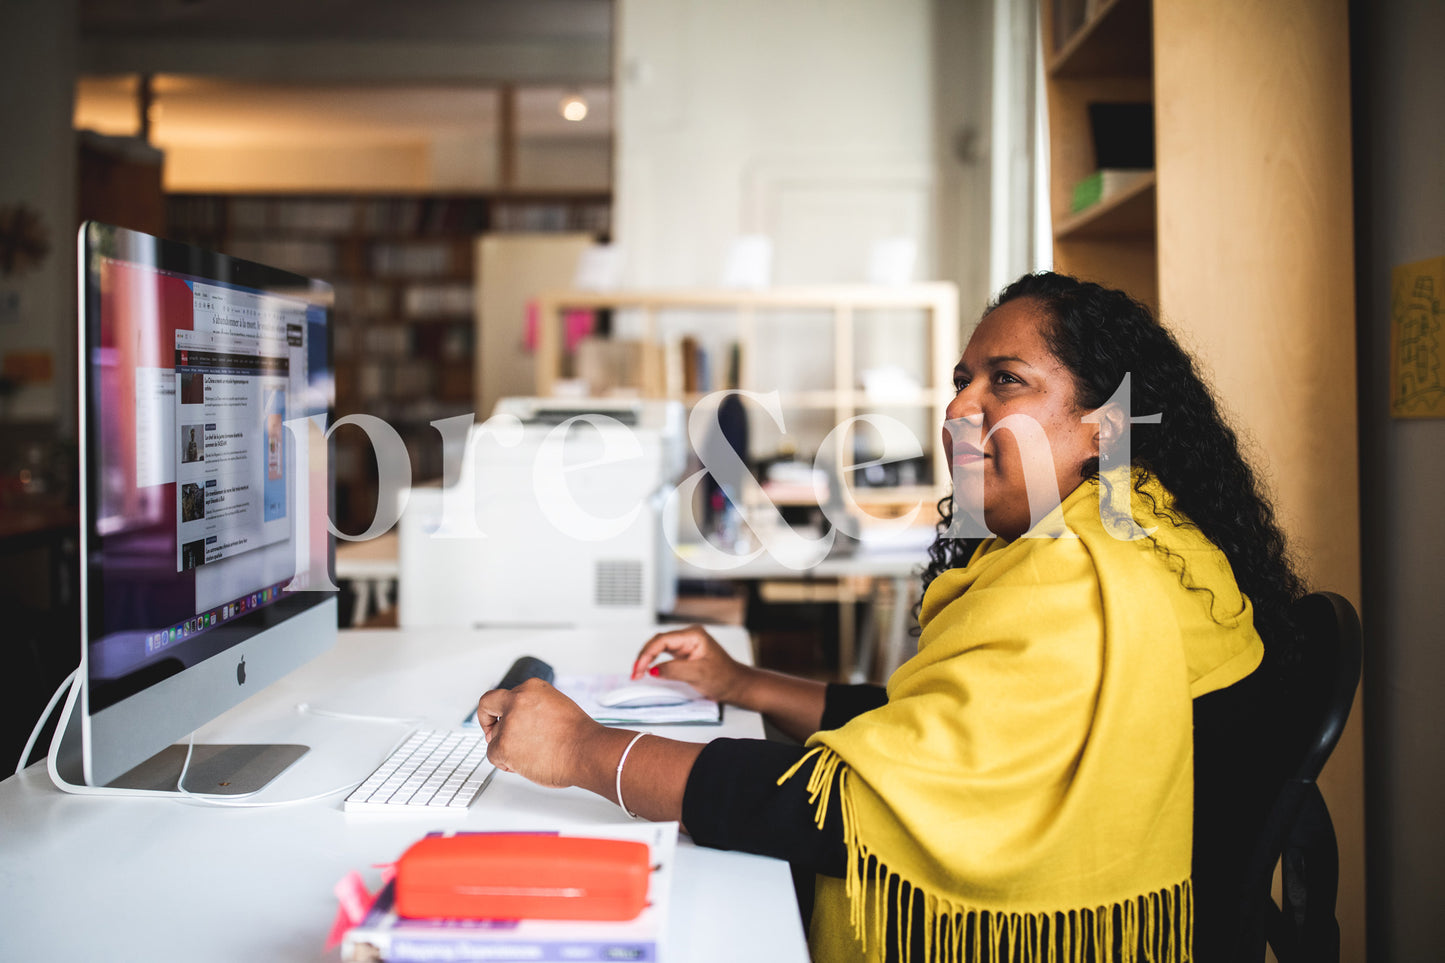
1333 643
1298 835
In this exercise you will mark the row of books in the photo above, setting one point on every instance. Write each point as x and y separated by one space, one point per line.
259 215
590 217
364 299
213 215
437 300
376 382
413 259
679 368
421 300
395 342
389 259
310 258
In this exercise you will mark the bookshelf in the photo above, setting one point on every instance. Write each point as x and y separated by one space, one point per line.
404 272
1244 243
1101 53
757 325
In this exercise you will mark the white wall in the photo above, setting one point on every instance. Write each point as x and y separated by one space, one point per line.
827 125
37 64
965 66
1402 219
809 120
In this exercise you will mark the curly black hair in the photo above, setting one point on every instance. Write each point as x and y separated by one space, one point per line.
1101 335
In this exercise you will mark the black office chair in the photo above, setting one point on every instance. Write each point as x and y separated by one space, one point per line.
1299 837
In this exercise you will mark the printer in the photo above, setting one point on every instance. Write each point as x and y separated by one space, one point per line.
556 518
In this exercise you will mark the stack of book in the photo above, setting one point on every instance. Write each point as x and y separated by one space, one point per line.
1105 183
384 937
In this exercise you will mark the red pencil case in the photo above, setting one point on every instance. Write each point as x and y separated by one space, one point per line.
507 876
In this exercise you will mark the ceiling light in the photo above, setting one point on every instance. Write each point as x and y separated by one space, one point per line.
573 107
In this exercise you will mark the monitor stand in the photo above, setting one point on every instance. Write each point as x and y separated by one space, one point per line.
216 769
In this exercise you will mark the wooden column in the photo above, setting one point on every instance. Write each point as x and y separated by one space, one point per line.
1256 269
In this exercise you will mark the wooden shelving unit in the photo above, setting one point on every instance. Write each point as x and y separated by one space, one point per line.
1244 242
758 317
1112 40
403 269
1108 58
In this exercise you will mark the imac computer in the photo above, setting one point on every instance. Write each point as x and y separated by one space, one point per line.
206 555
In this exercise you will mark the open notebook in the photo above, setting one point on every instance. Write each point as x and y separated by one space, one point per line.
585 690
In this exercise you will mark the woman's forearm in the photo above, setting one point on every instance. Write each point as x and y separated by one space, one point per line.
793 704
653 778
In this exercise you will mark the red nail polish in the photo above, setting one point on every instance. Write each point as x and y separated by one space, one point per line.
656 669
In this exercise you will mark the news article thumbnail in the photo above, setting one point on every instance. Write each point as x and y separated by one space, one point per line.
193 388
193 554
193 443
193 502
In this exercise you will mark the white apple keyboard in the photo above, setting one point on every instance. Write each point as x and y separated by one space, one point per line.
434 769
437 770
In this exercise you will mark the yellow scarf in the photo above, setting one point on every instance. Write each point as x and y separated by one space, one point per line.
1030 780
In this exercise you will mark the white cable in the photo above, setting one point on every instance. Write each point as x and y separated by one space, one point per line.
306 708
210 799
229 801
186 767
40 723
180 792
60 781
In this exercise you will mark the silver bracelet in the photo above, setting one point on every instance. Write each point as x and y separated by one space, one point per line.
620 763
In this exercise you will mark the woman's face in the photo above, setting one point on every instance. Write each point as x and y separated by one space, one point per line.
1007 371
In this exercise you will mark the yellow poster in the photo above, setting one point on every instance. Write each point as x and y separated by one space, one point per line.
1417 383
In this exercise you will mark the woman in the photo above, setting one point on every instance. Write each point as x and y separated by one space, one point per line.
1024 787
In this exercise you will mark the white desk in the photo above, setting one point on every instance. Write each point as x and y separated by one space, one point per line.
85 878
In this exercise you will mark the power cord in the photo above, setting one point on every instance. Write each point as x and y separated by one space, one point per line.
70 688
306 708
65 785
40 723
233 802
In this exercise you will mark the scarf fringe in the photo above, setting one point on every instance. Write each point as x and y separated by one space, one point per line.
1154 927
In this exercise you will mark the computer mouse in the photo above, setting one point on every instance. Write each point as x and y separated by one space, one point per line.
637 694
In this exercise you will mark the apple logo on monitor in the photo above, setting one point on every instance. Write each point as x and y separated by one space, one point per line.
241 671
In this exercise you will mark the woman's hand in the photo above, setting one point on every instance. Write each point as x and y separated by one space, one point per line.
698 660
538 733
794 705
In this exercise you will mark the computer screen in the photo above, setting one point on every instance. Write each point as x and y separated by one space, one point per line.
206 552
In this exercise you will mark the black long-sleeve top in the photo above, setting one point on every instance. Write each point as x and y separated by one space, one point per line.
733 800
